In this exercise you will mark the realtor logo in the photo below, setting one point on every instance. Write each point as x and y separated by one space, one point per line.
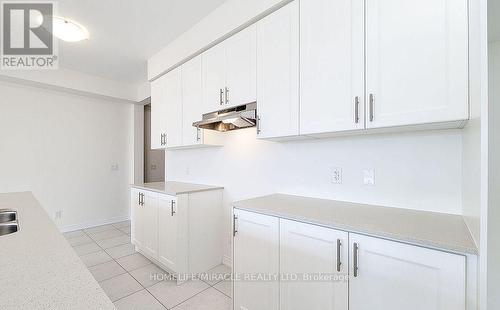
27 40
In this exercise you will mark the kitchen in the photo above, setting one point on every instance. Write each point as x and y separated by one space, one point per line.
344 139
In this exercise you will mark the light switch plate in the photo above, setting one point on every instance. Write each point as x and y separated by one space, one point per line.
368 177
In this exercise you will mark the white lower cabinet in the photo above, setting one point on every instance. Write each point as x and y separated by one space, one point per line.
144 228
307 253
168 220
310 263
256 254
393 276
171 230
149 210
136 216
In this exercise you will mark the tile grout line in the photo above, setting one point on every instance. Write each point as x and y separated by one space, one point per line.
126 272
140 284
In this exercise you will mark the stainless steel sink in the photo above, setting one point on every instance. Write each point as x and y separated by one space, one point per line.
8 228
7 215
8 222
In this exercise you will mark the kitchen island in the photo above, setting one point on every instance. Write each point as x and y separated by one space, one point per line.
38 268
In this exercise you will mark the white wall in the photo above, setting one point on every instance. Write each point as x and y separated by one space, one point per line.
492 249
419 170
61 147
154 160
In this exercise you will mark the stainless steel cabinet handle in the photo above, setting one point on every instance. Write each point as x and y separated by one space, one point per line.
172 212
356 109
372 103
198 130
163 138
235 218
258 124
139 201
221 92
227 95
339 263
142 201
355 252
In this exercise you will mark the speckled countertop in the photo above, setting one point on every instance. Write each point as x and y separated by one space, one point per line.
175 188
429 229
38 268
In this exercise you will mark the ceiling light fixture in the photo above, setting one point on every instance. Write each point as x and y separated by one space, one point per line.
68 30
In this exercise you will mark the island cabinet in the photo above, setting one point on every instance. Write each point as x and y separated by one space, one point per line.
320 268
180 232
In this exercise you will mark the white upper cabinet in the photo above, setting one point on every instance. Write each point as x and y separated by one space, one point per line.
214 78
192 101
278 73
229 71
331 66
308 250
240 67
393 276
256 252
416 62
173 105
158 113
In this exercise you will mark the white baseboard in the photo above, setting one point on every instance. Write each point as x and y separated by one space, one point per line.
228 261
93 223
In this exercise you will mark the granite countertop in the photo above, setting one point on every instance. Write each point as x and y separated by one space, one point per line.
175 188
38 268
429 229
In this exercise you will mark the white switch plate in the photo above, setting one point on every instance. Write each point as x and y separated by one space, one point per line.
337 175
368 177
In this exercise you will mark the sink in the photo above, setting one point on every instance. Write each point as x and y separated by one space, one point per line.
8 222
8 228
7 215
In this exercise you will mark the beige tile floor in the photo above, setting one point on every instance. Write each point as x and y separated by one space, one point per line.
128 279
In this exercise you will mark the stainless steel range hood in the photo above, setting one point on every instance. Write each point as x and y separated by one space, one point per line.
242 116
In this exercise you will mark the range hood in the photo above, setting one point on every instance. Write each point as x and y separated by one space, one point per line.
242 116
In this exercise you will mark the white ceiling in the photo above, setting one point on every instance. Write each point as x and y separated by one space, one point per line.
493 20
125 33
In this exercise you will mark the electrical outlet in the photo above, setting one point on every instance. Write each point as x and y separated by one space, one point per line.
337 176
188 171
115 167
58 215
369 177
153 167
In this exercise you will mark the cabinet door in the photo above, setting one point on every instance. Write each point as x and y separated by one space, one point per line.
256 253
241 67
136 218
192 101
158 112
416 61
395 276
214 77
309 251
331 65
150 224
278 73
173 99
168 228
